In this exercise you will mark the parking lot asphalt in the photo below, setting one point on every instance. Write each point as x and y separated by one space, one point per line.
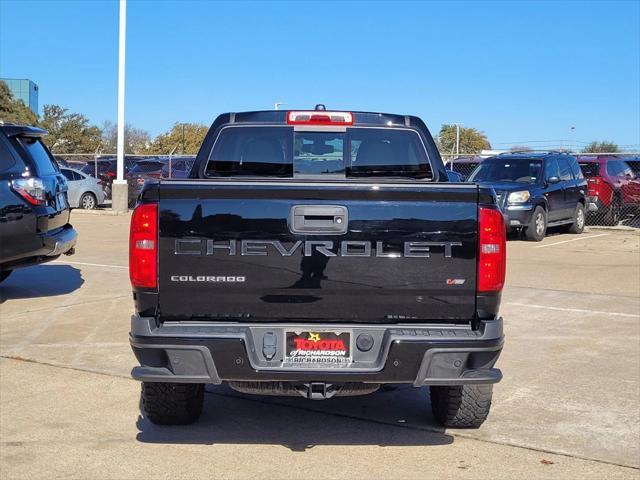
568 406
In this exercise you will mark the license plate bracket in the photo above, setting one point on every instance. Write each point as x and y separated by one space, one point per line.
318 348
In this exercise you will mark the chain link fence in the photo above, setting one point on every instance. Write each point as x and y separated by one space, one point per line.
613 179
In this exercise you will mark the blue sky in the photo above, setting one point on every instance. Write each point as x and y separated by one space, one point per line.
519 71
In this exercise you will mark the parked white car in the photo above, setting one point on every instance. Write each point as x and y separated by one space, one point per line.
84 191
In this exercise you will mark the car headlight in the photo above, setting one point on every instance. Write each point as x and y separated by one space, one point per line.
519 197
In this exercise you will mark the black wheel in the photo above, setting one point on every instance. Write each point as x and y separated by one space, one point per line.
462 406
612 216
4 274
172 403
537 227
88 201
578 220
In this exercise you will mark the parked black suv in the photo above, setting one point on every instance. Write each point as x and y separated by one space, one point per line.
536 191
34 211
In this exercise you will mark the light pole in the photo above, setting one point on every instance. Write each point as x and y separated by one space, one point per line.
457 143
572 146
277 104
119 194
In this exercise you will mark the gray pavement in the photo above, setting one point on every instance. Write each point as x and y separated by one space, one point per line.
570 395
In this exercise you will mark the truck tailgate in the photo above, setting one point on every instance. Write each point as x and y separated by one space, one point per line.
303 252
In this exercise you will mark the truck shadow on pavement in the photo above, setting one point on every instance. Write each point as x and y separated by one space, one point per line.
40 281
386 418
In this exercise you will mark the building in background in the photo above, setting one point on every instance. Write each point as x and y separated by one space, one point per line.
25 90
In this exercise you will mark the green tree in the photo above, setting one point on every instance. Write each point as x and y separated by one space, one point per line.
15 111
136 140
471 140
601 147
69 132
186 138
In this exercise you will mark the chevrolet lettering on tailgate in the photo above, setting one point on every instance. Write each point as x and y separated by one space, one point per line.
196 246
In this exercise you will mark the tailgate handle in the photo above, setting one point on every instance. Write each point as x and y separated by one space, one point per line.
319 219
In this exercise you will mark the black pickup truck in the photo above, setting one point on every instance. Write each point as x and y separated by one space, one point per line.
317 253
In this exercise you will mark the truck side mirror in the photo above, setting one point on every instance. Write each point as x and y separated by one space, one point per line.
553 180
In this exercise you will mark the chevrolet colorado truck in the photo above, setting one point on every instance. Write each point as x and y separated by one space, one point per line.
317 253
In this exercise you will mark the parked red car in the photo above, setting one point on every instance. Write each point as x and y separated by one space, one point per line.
612 185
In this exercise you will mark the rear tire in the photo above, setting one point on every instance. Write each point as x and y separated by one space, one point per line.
461 406
537 228
172 403
612 216
577 226
4 274
88 201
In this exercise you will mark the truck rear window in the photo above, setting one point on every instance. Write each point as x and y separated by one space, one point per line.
282 152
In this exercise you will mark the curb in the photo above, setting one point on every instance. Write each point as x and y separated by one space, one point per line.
107 212
617 228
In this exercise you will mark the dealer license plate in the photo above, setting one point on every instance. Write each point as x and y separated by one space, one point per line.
318 349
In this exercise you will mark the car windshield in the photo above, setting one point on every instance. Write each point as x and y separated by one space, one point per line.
145 167
589 169
508 170
283 152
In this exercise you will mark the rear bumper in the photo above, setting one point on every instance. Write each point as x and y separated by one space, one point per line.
190 352
61 242
53 245
595 204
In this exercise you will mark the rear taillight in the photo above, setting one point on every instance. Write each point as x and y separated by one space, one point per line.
143 246
492 251
31 189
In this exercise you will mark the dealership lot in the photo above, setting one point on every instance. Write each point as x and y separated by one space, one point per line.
570 394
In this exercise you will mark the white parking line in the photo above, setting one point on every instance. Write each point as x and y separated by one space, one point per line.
572 240
89 264
576 310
